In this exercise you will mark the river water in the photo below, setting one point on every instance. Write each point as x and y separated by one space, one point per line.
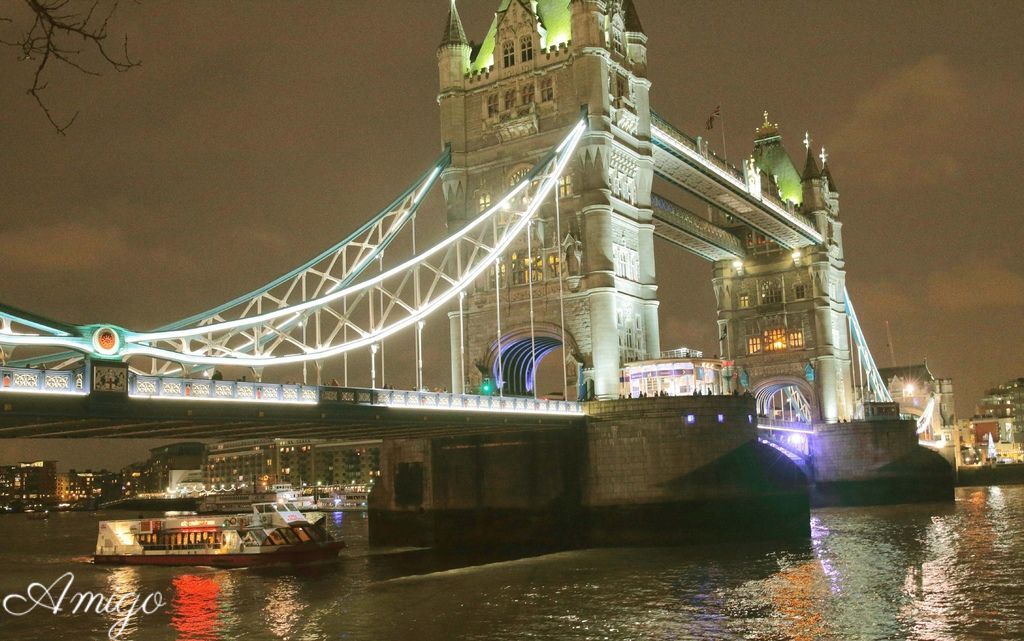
903 572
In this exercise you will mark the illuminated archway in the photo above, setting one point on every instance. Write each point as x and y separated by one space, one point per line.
521 352
786 399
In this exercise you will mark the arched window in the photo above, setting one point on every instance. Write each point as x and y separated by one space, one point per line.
565 186
528 93
526 48
547 90
508 53
770 292
517 175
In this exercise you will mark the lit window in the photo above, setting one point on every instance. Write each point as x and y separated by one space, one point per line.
565 186
510 98
799 291
721 418
775 340
492 105
796 338
554 261
744 301
508 51
485 201
753 345
691 419
547 90
526 48
528 93
517 176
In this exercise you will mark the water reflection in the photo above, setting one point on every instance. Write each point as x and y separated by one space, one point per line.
915 573
194 608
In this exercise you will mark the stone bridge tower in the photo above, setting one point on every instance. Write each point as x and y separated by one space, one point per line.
504 104
782 313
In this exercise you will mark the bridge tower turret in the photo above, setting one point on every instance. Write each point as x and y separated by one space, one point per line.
521 92
782 310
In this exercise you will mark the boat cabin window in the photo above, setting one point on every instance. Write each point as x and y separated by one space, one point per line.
302 534
289 535
275 538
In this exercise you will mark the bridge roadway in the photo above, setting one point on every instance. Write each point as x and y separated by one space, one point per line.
79 416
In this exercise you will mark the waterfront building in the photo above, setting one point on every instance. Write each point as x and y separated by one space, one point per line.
1003 401
261 463
166 459
78 486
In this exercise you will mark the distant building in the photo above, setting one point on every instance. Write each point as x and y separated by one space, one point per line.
919 392
261 463
36 481
1004 401
76 487
168 458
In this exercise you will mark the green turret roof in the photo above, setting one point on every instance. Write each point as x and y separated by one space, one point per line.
771 158
554 16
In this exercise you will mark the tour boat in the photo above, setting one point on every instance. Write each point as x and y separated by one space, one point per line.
271 533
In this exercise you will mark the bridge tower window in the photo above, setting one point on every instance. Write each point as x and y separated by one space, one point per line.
547 90
508 53
770 292
796 338
510 98
528 93
565 186
799 291
492 105
526 49
754 345
775 339
744 301
485 201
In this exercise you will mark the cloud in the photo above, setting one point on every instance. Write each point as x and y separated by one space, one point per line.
975 287
64 246
916 108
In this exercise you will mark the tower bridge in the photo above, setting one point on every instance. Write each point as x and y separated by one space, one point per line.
552 211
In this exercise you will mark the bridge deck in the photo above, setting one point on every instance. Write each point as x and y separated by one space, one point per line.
691 232
678 160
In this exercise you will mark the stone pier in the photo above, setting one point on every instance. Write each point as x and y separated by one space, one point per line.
641 471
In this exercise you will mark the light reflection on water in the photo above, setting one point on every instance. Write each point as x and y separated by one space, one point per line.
928 572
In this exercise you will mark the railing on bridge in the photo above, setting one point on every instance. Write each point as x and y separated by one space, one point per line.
42 381
141 386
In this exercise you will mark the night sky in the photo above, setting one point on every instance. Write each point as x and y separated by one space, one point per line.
255 134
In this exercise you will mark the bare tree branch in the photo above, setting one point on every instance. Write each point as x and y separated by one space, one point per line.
56 27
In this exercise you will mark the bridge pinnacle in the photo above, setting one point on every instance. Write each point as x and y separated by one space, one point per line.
454 34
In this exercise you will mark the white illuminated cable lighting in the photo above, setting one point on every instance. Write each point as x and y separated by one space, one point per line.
510 233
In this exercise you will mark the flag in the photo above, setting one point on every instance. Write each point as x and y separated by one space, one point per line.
710 124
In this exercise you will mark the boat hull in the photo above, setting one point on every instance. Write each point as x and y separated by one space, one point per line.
323 552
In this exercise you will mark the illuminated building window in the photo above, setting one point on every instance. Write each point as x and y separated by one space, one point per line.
518 269
547 90
799 291
775 340
485 201
770 292
721 418
510 98
565 186
796 338
492 105
753 345
553 265
508 53
516 176
744 301
691 419
528 93
526 49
